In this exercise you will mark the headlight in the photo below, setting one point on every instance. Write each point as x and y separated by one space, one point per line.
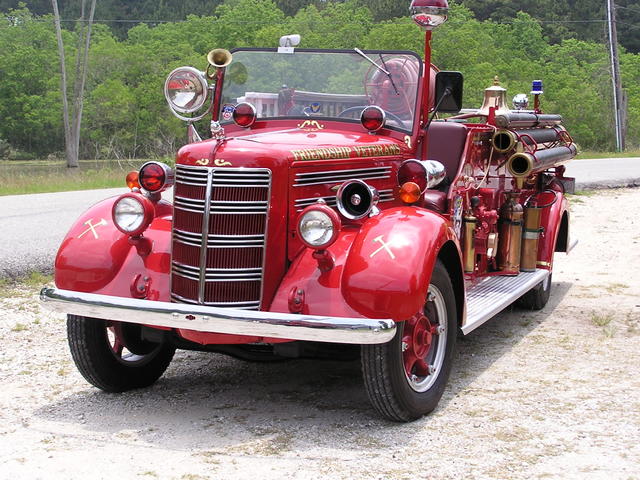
186 90
318 226
132 214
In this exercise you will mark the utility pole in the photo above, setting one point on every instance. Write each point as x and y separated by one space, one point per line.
618 100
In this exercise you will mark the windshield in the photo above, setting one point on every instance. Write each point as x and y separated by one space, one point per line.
326 84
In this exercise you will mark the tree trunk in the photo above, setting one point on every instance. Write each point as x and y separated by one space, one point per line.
72 159
73 117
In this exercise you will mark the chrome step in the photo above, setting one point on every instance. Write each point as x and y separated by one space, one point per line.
491 295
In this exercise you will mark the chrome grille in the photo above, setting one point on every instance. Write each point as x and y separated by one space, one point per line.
219 236
339 176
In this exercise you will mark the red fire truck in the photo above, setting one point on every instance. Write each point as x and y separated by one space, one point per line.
334 212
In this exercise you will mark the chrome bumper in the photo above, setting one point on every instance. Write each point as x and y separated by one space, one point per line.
220 320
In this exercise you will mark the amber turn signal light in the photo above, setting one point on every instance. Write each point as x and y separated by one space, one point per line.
132 180
410 192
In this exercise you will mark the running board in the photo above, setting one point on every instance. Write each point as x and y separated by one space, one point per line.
491 295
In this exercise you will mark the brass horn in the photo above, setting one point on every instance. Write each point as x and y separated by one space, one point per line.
218 58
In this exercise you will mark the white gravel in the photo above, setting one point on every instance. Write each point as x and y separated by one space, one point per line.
533 395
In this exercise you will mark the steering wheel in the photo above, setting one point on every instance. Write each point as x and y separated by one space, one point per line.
389 115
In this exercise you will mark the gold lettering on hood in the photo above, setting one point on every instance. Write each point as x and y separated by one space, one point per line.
340 153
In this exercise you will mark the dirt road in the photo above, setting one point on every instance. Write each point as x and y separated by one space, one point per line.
533 395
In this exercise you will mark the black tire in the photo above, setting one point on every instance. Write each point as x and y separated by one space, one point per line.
392 393
105 363
537 297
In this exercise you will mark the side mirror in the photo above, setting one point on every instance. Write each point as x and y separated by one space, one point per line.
449 92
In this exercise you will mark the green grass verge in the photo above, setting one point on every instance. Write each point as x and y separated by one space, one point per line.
27 284
588 154
23 177
23 183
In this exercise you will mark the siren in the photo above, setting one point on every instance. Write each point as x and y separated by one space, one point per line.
356 199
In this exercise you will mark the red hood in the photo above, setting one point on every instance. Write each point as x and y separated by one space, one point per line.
276 147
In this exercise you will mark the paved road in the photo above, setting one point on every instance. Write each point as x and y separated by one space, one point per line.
32 226
605 172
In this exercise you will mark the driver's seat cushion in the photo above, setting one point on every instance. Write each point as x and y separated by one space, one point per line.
446 144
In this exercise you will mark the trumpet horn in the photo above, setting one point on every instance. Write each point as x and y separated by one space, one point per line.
218 58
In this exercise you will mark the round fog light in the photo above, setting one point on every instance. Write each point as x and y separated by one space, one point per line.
318 226
132 214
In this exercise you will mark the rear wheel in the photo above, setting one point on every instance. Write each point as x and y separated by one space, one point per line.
537 297
113 356
405 378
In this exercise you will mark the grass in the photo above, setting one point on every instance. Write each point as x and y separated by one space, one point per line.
23 177
32 282
589 154
601 320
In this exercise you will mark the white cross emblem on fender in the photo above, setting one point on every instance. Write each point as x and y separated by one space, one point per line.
92 227
383 247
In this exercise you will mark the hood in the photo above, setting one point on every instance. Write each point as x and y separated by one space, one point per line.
271 148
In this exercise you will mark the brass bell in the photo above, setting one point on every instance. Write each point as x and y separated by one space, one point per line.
495 96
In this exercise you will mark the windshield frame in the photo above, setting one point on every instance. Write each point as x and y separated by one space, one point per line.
371 53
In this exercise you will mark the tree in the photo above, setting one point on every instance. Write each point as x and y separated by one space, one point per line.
72 118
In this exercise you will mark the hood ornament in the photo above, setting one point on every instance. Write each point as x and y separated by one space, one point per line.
217 131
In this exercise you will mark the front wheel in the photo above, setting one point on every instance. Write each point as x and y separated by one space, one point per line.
113 356
405 378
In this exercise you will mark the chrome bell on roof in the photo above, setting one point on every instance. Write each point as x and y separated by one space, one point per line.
495 96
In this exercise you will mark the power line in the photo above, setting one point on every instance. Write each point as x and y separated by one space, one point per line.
627 8
257 22
630 25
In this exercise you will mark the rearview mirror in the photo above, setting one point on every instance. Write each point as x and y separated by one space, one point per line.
449 92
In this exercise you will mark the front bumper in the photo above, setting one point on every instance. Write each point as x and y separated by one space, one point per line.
220 320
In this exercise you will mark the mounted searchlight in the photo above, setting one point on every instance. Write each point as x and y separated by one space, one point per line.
288 43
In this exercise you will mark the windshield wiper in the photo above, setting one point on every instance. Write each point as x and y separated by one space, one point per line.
389 74
383 70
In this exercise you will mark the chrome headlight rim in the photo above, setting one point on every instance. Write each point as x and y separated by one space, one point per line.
132 214
325 219
201 79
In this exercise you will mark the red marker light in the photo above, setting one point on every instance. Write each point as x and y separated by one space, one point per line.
373 118
244 115
412 171
152 177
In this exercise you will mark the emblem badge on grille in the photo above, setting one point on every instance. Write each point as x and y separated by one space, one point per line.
218 162
203 161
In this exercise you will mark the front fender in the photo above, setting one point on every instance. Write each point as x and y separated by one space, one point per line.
389 267
95 257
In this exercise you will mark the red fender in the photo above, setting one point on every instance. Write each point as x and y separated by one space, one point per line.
389 267
96 257
321 293
550 221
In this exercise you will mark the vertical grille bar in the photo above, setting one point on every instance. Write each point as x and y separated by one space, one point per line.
219 236
205 237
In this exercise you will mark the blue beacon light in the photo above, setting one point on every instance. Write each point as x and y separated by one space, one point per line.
536 87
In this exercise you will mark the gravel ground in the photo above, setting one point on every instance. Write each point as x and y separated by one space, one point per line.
533 395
